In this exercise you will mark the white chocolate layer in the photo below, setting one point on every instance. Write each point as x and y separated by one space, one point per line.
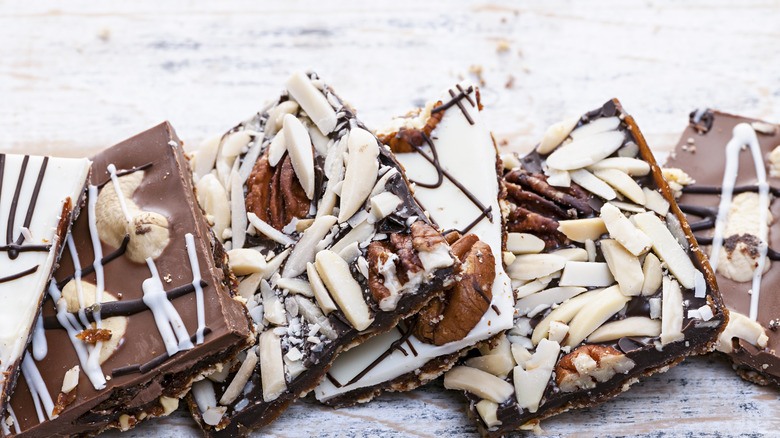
20 298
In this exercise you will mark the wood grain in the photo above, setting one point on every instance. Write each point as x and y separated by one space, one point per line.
78 76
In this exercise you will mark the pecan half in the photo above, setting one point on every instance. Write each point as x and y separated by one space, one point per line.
274 194
522 220
573 197
450 319
405 140
589 364
425 238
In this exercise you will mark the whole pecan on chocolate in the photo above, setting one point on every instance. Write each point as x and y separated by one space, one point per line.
452 317
274 194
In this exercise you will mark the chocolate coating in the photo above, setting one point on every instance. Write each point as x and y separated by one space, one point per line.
704 160
167 189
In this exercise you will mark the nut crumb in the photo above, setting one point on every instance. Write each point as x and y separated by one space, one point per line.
503 46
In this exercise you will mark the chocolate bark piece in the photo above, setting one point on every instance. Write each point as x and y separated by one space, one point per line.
328 241
39 199
450 156
614 288
730 203
142 250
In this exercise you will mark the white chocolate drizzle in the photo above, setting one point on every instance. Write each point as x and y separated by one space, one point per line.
115 179
196 284
168 320
39 346
38 389
743 135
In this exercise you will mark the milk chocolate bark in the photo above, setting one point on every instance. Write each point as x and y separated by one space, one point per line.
727 171
449 155
141 304
39 198
329 245
609 280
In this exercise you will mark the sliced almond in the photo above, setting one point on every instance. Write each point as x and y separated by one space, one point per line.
510 161
572 254
631 166
653 274
524 243
671 312
248 286
628 150
206 156
628 206
580 230
597 126
633 326
245 261
271 365
532 304
359 234
169 404
586 151
478 382
273 265
361 172
314 315
488 410
276 115
234 143
589 182
742 327
558 331
71 379
667 248
555 135
273 309
383 204
241 377
335 274
496 364
622 230
655 201
590 247
303 252
319 141
213 197
277 148
295 285
586 274
595 313
532 286
267 230
623 183
557 178
531 382
313 102
563 313
655 307
237 210
520 354
533 266
625 267
301 152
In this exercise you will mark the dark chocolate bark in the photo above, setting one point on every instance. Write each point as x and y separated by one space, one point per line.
633 295
336 251
751 339
140 375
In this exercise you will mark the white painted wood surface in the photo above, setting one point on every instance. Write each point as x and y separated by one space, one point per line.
78 76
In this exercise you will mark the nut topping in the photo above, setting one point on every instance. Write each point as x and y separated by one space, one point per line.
451 319
588 364
285 200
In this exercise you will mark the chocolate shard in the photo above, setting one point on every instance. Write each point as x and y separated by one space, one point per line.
569 344
39 199
462 196
346 252
140 236
735 214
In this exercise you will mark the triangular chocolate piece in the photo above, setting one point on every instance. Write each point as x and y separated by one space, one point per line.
612 258
450 157
327 240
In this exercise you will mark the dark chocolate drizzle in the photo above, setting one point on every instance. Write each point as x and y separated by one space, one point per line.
709 215
152 364
701 121
120 308
456 100
104 261
19 275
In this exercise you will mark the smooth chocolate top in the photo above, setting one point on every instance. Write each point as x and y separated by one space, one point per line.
701 152
166 189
